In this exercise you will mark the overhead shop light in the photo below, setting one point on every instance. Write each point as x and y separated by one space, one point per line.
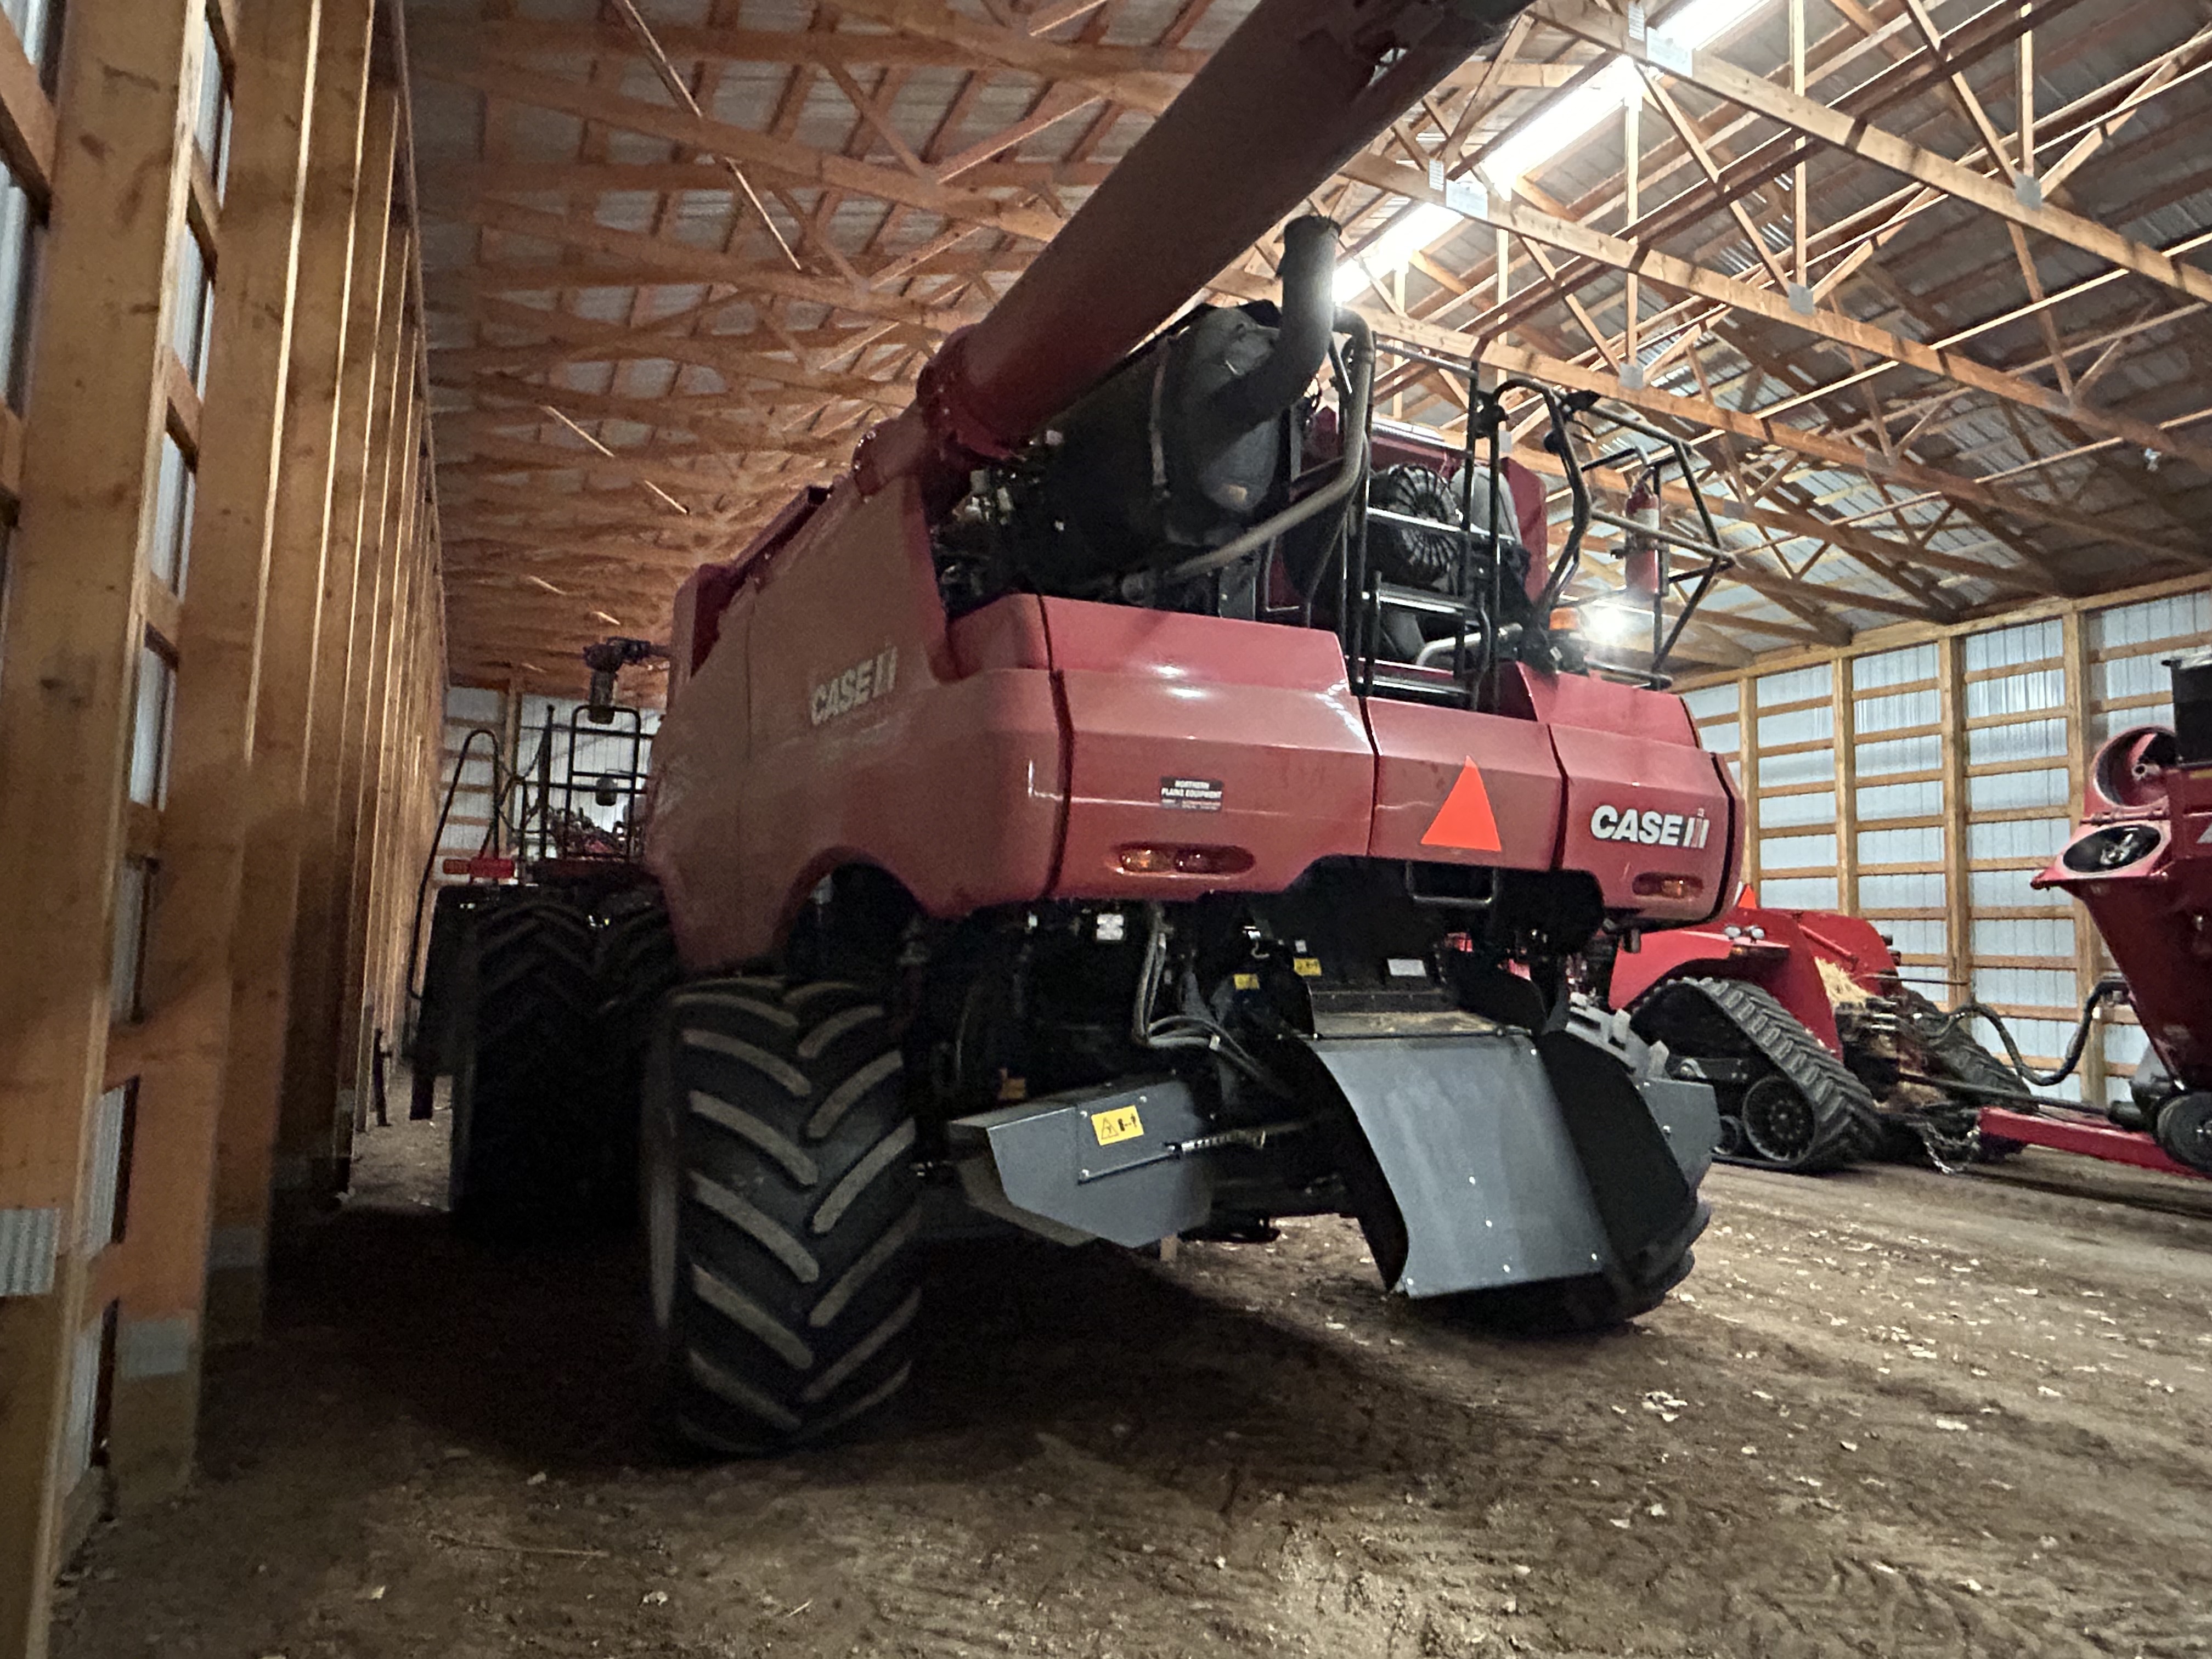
1552 131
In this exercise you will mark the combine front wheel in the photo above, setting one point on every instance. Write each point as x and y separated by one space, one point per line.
781 1203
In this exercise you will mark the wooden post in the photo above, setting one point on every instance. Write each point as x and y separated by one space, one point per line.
2087 964
1958 865
379 769
74 626
1747 750
191 938
394 418
1847 785
291 664
310 1092
395 765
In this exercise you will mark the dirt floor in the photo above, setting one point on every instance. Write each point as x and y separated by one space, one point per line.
1891 1414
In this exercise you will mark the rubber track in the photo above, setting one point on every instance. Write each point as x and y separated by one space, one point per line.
797 1284
1952 1052
1713 1018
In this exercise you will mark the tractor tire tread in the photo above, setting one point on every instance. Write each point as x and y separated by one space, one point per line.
528 1130
796 1286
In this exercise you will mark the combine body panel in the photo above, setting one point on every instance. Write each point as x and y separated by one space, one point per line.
1018 754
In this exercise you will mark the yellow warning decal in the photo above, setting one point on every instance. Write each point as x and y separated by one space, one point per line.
1122 1123
1306 967
1245 981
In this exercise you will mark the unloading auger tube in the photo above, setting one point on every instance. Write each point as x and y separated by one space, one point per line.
1297 90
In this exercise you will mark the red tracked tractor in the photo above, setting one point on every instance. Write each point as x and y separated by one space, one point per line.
1143 798
1818 1051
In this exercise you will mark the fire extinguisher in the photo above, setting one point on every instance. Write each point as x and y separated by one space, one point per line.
1641 549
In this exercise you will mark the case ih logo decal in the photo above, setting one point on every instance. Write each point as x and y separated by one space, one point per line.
864 682
1651 829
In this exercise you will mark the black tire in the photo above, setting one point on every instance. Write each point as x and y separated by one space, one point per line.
782 1205
1831 1119
528 1124
634 964
2184 1131
1570 1307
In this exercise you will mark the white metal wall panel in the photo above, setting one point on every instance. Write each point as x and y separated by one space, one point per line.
1899 841
2026 952
83 1400
1795 685
105 1193
2128 645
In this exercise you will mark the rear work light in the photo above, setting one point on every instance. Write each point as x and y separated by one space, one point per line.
1652 884
1144 860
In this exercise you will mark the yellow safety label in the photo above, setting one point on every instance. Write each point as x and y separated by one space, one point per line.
1306 967
1122 1123
1245 981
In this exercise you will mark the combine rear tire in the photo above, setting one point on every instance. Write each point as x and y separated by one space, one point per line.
635 963
529 1129
1802 1110
782 1204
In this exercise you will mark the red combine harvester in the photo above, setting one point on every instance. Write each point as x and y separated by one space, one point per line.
1821 1054
2141 864
1144 799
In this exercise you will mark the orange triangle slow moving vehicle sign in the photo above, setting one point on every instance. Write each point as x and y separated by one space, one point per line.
1465 820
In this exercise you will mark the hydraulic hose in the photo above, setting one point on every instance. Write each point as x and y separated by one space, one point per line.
2109 990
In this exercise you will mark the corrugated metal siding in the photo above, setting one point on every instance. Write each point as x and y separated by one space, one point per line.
106 1193
1795 789
467 831
1896 760
29 1240
84 1401
2022 743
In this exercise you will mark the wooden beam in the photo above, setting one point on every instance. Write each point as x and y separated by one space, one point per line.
376 292
1818 446
27 114
1712 73
361 1013
73 632
276 807
325 1123
190 941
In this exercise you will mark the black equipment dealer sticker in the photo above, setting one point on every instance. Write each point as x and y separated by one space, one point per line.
1191 794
